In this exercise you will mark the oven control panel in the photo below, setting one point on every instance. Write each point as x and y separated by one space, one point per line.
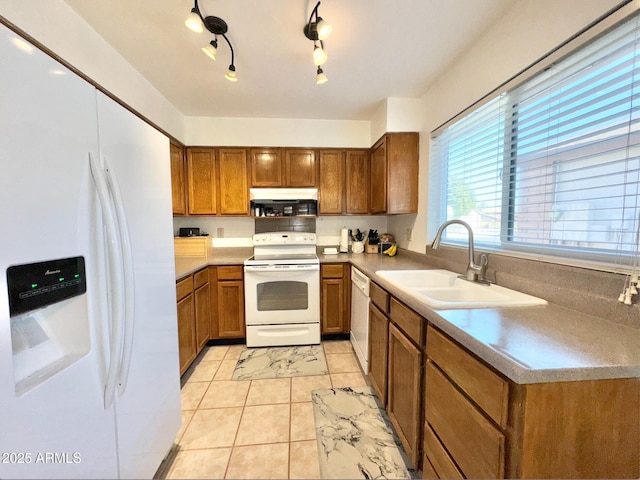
284 238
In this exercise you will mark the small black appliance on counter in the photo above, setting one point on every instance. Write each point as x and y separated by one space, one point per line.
189 232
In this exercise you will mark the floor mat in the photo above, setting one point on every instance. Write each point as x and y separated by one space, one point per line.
279 362
355 437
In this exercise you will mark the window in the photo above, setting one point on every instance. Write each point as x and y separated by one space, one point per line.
552 165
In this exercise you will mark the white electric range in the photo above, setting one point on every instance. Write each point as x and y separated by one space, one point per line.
282 290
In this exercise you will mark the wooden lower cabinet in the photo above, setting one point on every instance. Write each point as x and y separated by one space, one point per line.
404 390
478 424
335 311
476 445
194 316
227 302
187 348
202 307
378 352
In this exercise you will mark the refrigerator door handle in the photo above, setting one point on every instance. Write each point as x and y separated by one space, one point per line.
115 277
129 279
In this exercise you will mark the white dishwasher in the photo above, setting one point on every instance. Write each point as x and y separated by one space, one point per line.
360 317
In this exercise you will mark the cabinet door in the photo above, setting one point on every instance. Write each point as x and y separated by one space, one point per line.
357 182
201 181
186 332
231 309
378 195
474 443
178 184
332 306
334 310
300 168
234 188
402 175
266 167
405 378
203 318
378 351
331 188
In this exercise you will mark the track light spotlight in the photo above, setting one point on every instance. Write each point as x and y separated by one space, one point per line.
231 74
319 55
211 49
323 28
194 21
321 77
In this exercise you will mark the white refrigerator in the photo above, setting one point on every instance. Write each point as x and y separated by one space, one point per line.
89 375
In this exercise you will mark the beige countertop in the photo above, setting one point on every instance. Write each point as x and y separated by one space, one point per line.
527 344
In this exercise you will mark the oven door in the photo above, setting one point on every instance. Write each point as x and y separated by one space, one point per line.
282 294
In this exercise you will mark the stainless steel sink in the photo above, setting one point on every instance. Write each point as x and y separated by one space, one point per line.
442 289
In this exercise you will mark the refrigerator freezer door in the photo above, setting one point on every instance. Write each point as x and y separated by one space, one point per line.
148 410
59 428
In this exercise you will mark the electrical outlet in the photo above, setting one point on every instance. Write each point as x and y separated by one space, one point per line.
220 232
409 232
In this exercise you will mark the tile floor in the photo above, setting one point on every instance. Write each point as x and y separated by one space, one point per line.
254 428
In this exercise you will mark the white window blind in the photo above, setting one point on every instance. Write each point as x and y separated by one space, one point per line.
553 164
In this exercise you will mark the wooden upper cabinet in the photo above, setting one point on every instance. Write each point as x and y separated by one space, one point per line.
266 167
201 181
178 180
378 195
394 174
300 168
331 184
357 181
234 188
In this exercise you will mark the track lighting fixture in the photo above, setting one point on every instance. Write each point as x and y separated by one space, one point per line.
197 23
318 30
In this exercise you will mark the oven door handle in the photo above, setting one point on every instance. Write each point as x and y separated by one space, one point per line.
280 268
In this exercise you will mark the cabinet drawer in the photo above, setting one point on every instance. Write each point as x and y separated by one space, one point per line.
200 278
438 456
475 444
409 321
379 297
486 388
184 287
230 272
332 271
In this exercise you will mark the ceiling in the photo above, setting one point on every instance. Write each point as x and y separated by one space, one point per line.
378 49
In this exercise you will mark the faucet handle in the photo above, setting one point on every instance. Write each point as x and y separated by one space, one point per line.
484 261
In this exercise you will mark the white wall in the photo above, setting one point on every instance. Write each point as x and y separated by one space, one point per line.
526 32
54 24
396 115
277 132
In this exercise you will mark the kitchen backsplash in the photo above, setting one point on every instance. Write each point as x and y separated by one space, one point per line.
591 292
237 231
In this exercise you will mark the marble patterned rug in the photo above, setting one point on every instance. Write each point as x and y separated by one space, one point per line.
355 436
278 362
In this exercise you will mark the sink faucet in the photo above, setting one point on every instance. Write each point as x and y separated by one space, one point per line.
475 272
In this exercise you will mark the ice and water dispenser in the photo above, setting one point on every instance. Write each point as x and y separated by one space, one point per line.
49 318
